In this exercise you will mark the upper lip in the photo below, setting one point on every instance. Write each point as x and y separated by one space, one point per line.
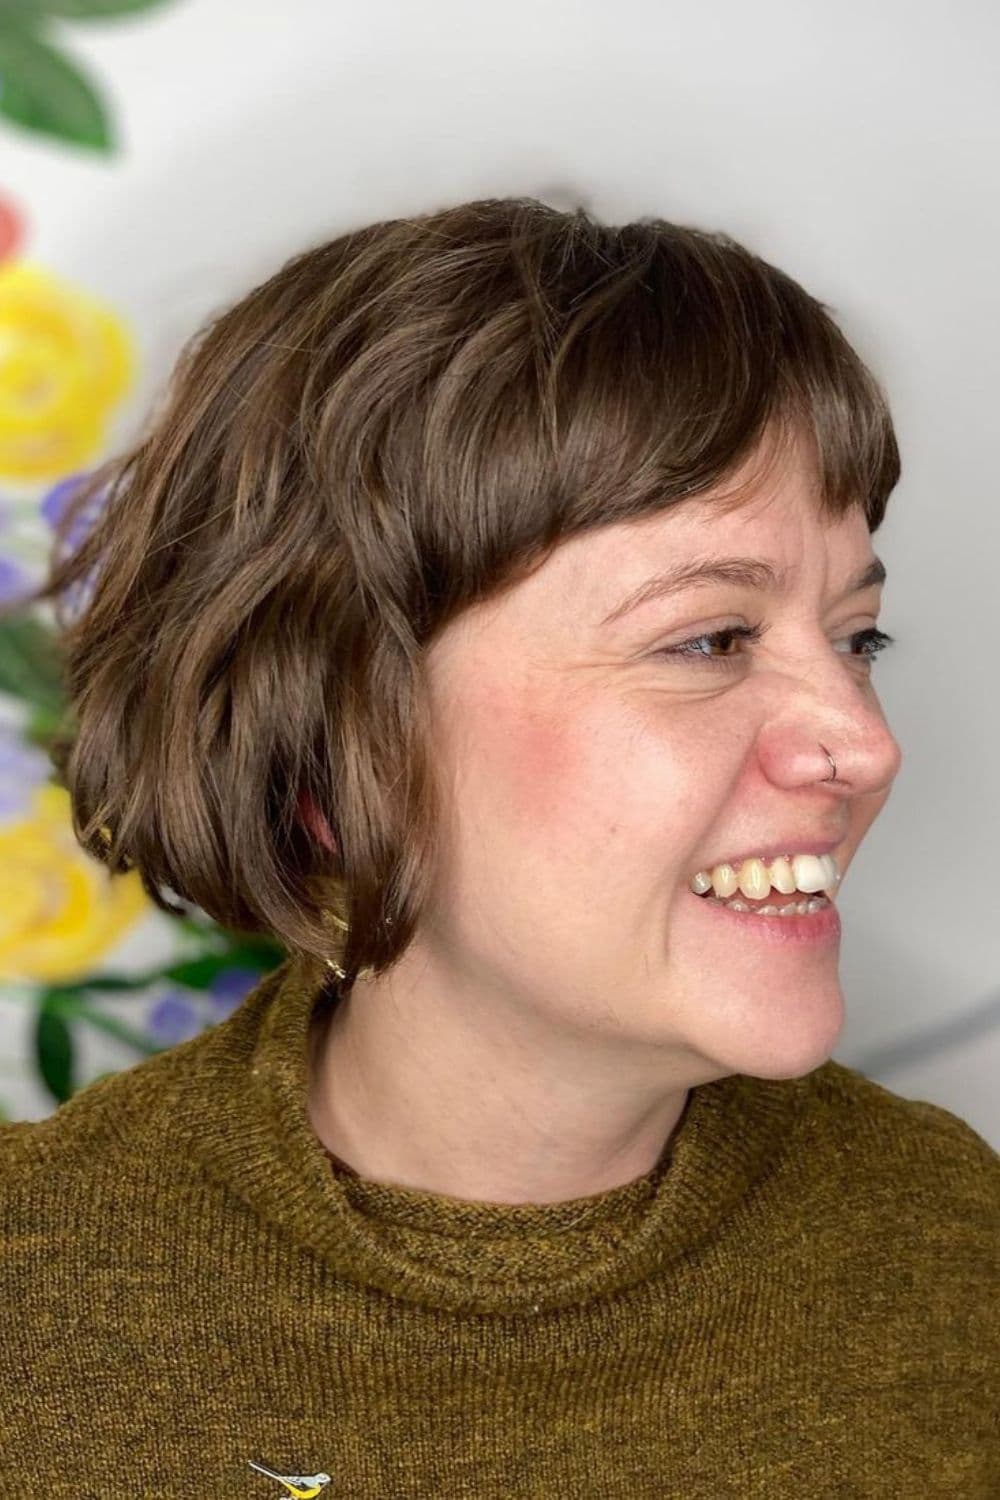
790 846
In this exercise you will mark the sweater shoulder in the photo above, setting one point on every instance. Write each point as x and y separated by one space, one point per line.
125 1114
145 1113
909 1142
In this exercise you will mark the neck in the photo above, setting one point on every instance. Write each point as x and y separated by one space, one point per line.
479 1101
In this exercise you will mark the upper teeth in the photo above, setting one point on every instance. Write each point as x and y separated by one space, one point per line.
756 877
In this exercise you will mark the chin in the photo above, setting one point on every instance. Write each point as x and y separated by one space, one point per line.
779 1041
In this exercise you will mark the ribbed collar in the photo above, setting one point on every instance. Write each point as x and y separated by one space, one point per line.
246 1116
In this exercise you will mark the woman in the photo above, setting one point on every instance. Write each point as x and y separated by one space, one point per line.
490 614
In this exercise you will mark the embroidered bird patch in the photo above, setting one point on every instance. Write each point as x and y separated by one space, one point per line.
300 1486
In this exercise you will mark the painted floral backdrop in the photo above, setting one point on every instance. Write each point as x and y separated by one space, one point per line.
68 360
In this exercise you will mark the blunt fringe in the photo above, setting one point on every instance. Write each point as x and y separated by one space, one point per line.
395 425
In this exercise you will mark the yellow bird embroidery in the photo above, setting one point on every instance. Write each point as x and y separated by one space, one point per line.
300 1486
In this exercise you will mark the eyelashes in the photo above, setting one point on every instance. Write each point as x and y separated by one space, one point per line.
866 645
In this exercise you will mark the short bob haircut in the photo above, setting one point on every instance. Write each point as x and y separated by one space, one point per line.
396 425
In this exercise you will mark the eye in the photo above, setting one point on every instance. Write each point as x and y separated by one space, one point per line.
865 644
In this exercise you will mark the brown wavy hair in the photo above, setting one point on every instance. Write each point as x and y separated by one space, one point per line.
395 425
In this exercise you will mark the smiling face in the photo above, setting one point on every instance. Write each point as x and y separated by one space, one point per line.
586 776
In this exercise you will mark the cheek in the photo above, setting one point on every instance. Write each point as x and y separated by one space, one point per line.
545 770
586 778
511 763
575 774
541 766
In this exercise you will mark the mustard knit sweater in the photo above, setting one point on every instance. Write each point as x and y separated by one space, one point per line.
800 1300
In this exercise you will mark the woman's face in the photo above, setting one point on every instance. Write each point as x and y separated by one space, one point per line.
587 777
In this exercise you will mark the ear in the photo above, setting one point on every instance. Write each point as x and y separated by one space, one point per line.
315 821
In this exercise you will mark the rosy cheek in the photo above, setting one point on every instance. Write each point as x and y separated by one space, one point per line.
542 767
536 759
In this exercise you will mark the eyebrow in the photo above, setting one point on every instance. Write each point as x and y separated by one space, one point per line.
740 572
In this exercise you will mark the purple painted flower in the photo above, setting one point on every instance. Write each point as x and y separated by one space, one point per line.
56 500
229 988
179 1015
14 582
52 508
22 767
174 1019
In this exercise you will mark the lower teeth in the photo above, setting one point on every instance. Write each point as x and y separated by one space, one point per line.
794 908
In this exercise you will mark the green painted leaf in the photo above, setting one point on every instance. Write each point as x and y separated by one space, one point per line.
85 10
101 983
80 1011
29 663
54 1049
199 973
24 11
43 91
42 724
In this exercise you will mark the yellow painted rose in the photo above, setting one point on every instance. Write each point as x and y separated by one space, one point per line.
66 359
60 910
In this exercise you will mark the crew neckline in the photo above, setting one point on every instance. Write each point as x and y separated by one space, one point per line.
252 1131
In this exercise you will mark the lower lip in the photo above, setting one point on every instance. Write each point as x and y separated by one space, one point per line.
821 926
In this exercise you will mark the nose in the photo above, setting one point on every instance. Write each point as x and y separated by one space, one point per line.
847 718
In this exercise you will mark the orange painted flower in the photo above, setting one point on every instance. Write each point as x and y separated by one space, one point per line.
66 360
11 228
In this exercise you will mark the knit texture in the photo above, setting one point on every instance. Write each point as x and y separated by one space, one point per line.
801 1299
